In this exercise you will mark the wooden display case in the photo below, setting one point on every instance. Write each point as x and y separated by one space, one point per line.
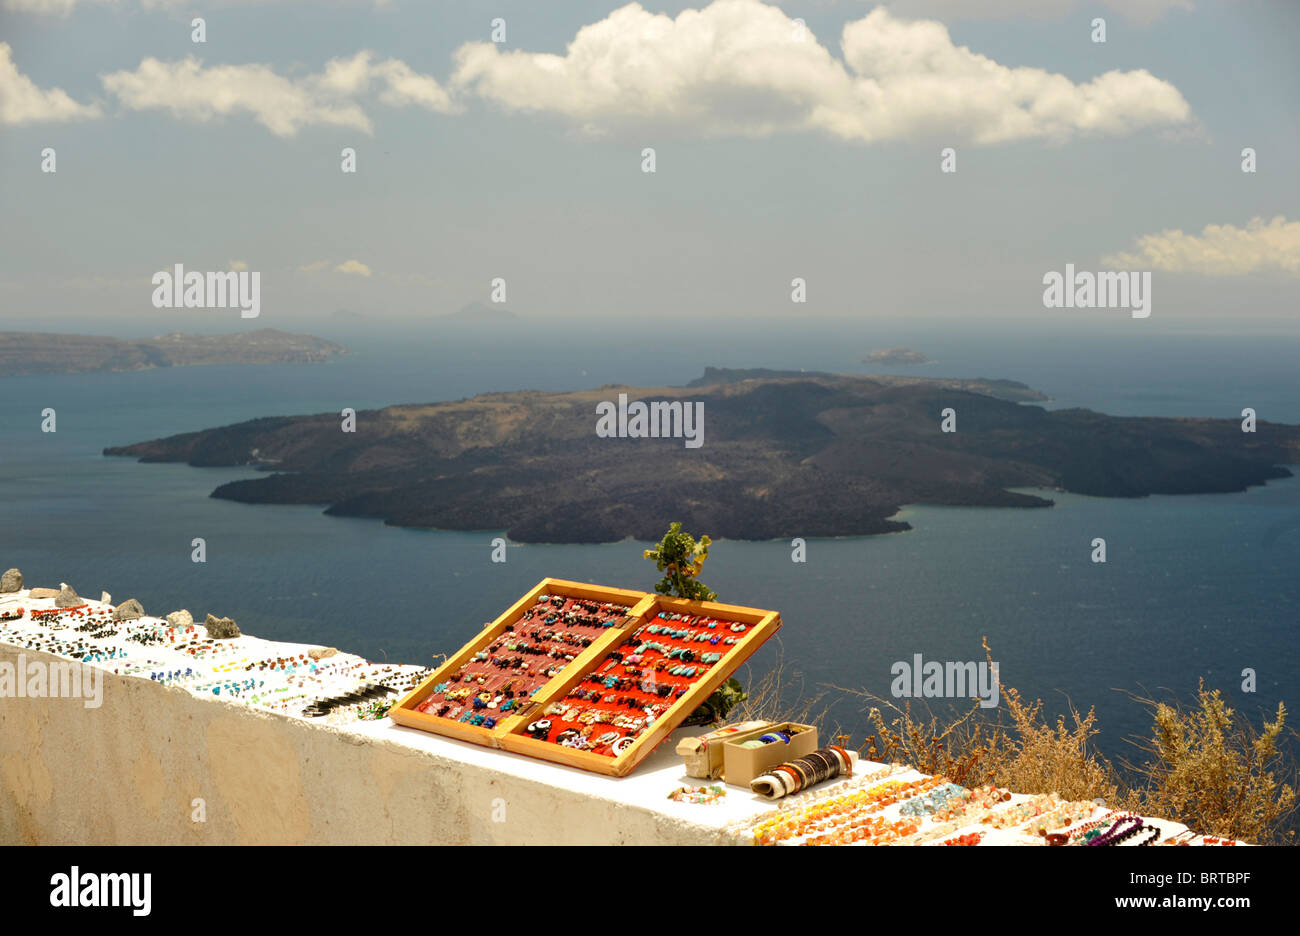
759 626
406 712
509 732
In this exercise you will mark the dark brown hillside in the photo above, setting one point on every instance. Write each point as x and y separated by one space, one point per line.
813 455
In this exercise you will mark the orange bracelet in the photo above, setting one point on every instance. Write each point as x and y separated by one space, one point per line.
796 780
848 761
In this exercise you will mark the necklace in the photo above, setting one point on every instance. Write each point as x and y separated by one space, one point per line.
1064 815
846 811
1017 814
1124 828
710 794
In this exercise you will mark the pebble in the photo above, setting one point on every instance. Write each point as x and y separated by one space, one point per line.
128 610
181 618
221 628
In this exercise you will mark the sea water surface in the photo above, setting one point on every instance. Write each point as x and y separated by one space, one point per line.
1196 587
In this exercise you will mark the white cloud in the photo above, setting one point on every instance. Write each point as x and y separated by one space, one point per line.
402 85
407 86
347 267
734 68
353 268
64 7
1138 11
46 7
189 90
22 102
1219 250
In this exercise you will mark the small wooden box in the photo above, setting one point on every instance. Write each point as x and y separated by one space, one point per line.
740 765
703 754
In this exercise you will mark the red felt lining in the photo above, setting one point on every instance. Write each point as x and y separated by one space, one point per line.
648 660
542 668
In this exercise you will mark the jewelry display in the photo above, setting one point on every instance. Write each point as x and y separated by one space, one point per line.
277 678
1153 837
603 678
1064 815
374 711
847 809
942 798
584 675
502 677
620 700
825 764
365 693
981 800
1122 829
1081 835
709 794
1019 813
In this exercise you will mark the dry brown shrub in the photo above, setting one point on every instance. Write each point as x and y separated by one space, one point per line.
1214 774
769 698
1204 769
977 747
966 751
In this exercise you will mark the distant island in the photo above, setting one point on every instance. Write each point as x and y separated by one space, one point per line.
477 311
1012 390
824 455
896 357
31 353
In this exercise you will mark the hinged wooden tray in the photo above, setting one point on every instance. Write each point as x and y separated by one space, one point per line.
406 712
759 626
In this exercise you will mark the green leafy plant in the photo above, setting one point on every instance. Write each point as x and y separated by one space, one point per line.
717 706
681 557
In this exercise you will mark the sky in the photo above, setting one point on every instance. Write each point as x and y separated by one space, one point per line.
782 150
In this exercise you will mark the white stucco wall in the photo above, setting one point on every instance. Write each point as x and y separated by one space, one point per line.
129 772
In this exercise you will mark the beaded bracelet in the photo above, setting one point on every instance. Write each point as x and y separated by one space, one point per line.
1061 816
818 798
982 799
1081 835
847 811
814 804
711 794
1123 828
1020 812
932 802
871 831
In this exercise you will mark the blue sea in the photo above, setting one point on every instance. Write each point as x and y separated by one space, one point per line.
1195 588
